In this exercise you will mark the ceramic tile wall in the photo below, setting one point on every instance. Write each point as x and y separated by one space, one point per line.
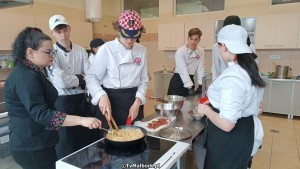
288 57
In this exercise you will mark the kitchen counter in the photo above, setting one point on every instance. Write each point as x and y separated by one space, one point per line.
183 119
92 155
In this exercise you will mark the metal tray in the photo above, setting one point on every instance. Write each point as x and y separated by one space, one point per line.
175 133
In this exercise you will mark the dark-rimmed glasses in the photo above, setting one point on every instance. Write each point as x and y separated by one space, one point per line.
50 53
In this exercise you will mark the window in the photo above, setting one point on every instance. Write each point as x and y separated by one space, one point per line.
278 2
198 6
146 8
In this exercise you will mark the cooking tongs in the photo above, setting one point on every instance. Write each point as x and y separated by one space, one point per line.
113 121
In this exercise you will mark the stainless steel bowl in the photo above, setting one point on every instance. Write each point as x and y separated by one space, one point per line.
195 115
167 109
174 99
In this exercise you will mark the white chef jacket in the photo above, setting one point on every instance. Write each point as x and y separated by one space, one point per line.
218 64
188 63
118 68
91 58
235 97
66 66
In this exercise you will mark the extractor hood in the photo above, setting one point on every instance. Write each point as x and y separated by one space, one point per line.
14 3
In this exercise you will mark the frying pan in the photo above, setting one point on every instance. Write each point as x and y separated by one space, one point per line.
126 144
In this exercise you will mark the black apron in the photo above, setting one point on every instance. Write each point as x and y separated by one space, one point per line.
176 86
120 100
229 150
73 138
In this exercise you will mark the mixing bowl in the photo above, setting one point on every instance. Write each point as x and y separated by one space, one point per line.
195 115
174 99
167 109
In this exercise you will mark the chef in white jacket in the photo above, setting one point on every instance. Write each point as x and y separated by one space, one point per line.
117 80
190 61
234 131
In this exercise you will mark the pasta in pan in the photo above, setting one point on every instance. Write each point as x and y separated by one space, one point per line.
125 134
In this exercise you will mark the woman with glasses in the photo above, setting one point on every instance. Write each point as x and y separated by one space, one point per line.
30 97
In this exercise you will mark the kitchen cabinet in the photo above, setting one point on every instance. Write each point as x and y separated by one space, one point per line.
161 81
296 98
81 33
170 36
271 31
207 28
281 96
43 24
266 99
11 26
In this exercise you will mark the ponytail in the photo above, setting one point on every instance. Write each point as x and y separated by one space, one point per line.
247 62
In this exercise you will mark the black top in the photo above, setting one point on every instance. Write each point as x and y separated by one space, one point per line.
30 98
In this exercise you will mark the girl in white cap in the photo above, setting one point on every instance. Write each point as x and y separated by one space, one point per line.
234 132
121 67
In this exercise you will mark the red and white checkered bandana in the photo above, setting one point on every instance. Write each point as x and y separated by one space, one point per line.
130 20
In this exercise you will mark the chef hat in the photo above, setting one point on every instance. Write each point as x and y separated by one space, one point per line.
130 24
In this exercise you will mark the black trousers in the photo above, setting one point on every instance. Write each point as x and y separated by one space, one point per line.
176 86
41 159
74 138
121 100
229 150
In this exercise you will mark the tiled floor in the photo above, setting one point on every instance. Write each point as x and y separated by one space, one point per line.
280 149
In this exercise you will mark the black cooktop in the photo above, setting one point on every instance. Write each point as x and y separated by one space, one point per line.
101 156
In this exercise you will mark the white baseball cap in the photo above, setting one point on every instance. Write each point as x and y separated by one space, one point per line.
235 39
57 20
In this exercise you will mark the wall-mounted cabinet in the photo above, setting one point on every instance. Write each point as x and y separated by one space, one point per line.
170 36
247 23
277 31
43 23
11 25
81 33
207 28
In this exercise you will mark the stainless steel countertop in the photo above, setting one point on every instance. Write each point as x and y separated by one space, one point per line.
284 80
183 119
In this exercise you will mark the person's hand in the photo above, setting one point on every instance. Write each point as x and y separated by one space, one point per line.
90 122
191 91
134 109
202 108
199 89
2 84
206 102
105 107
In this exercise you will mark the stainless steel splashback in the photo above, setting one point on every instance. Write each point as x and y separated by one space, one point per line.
248 23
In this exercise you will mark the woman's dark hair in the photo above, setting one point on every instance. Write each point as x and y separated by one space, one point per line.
247 62
30 37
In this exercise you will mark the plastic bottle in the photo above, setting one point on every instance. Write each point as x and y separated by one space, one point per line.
4 64
164 69
290 73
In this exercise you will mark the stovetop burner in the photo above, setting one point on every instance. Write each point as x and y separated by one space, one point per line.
99 155
130 151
